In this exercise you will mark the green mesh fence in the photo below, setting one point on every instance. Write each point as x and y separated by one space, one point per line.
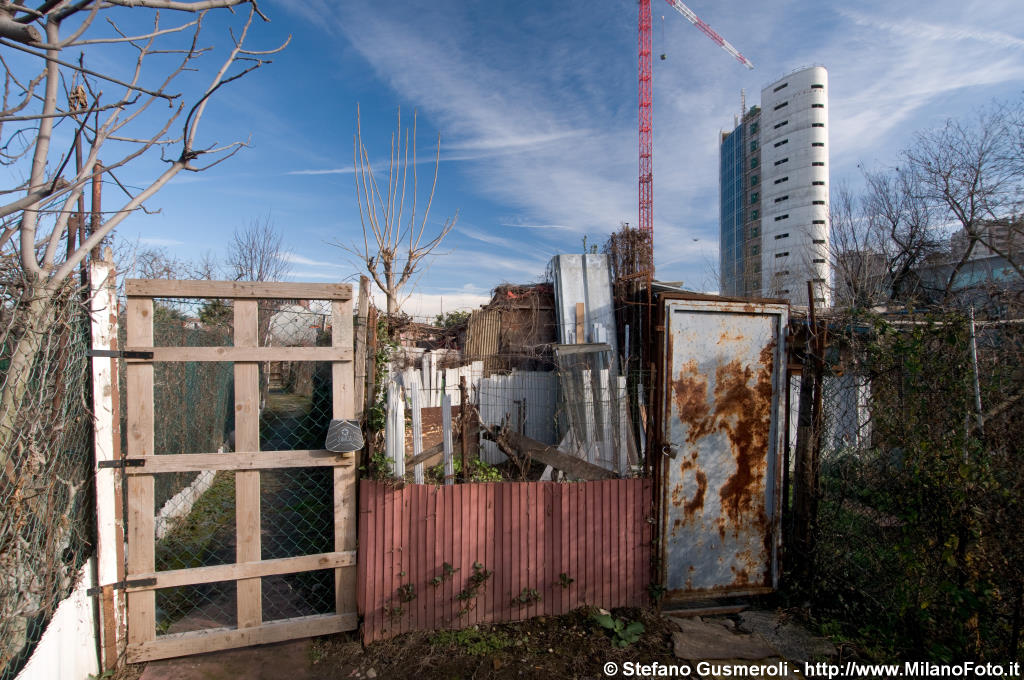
921 511
46 493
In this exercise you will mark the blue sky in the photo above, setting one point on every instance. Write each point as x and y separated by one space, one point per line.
536 105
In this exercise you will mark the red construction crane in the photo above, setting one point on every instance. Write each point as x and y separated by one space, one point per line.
646 221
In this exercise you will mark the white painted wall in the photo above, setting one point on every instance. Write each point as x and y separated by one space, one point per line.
67 650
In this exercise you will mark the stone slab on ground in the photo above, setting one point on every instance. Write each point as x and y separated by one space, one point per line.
699 641
290 660
790 639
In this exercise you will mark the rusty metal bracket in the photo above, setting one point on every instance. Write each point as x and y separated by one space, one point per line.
121 463
122 585
118 354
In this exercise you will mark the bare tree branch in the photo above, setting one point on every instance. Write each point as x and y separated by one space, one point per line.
391 256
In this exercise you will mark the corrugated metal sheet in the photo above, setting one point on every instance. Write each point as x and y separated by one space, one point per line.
586 279
720 481
483 336
526 399
528 534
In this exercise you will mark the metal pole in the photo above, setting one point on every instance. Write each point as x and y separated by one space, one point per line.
977 383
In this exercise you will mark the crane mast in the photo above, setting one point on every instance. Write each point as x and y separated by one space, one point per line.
646 187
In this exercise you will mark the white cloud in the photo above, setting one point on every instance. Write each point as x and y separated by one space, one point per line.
299 259
426 306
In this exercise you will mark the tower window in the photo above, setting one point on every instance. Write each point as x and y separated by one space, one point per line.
818 222
782 217
818 184
754 197
753 162
817 86
781 179
819 260
780 87
779 106
817 106
818 164
753 180
778 144
778 255
780 199
753 145
778 236
780 125
753 128
781 161
818 202
819 241
817 143
817 125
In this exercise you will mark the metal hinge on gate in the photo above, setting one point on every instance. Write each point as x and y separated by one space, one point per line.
119 353
121 463
122 585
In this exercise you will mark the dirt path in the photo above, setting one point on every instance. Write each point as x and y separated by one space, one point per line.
295 520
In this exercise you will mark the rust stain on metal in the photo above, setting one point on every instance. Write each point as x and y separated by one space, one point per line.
697 502
725 337
677 494
743 412
691 397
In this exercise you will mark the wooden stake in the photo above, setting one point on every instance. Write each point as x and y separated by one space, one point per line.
580 315
464 427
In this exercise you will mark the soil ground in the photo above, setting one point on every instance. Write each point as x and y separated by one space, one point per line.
573 646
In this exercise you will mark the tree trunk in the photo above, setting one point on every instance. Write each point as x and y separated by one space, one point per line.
33 316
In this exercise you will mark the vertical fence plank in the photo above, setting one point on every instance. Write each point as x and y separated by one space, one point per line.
107 447
446 426
417 430
343 400
247 482
141 510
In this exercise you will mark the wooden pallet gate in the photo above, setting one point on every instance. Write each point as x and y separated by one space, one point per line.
142 579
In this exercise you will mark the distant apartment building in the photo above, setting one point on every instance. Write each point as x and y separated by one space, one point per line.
774 184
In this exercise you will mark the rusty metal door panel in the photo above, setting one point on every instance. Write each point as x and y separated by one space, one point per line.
720 475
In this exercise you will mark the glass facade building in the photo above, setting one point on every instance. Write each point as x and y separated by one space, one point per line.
731 210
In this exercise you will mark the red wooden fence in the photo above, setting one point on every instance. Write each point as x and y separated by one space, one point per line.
550 548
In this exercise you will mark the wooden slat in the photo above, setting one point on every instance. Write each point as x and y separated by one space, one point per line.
242 460
230 572
360 345
271 290
343 400
237 353
201 641
247 482
141 510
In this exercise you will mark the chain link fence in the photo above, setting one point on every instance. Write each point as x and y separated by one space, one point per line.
918 548
46 492
195 512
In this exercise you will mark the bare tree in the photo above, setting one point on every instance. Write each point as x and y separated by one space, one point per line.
256 253
115 114
393 248
963 177
966 172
